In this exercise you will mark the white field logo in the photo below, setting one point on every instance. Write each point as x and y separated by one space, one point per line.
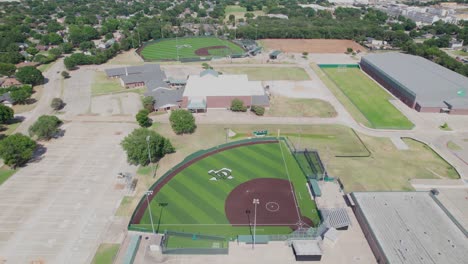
221 174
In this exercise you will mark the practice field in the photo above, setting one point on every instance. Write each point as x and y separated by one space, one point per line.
213 195
371 100
268 73
189 48
312 45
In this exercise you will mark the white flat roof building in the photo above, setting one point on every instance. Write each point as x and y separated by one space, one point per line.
410 227
222 85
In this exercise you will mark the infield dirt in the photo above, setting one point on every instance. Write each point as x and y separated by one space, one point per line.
312 45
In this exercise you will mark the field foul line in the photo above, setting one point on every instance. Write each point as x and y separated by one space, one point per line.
287 224
290 183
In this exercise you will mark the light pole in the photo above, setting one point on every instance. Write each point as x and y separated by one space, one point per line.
149 154
149 208
255 202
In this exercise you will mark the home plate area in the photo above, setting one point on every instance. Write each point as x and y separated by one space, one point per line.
276 204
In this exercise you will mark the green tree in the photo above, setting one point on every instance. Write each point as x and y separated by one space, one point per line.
7 69
148 103
67 48
136 146
17 149
70 63
6 114
30 75
57 104
20 95
45 127
143 119
232 18
237 105
182 122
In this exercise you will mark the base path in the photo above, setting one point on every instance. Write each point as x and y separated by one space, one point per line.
276 204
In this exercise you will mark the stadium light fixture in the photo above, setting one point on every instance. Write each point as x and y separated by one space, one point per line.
255 202
148 193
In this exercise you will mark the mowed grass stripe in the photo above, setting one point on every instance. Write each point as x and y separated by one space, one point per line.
199 197
172 213
265 165
180 199
240 162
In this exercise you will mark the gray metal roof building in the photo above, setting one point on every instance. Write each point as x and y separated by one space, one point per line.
166 98
410 227
418 82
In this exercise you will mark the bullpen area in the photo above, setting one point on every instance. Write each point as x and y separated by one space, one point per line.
212 192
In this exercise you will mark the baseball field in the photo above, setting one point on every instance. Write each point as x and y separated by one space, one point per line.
370 99
189 48
213 195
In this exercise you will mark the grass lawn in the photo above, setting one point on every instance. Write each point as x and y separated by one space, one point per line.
234 8
196 204
389 169
5 174
104 85
370 99
171 49
239 12
296 107
105 254
268 73
461 53
8 129
45 67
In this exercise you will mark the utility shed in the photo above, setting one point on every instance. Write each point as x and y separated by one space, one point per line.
274 54
307 250
410 227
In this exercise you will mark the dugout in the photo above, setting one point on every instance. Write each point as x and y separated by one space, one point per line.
307 250
274 55
315 188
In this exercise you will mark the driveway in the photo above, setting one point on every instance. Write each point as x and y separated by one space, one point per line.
56 210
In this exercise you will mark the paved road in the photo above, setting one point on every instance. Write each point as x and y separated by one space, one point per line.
52 89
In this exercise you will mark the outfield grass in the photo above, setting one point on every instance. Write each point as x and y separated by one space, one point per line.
166 49
196 204
299 107
174 241
268 73
234 8
105 254
370 99
5 174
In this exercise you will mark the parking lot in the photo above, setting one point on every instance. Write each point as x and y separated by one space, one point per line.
57 210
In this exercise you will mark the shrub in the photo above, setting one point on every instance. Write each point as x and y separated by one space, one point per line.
65 74
148 103
6 114
57 104
237 105
258 110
